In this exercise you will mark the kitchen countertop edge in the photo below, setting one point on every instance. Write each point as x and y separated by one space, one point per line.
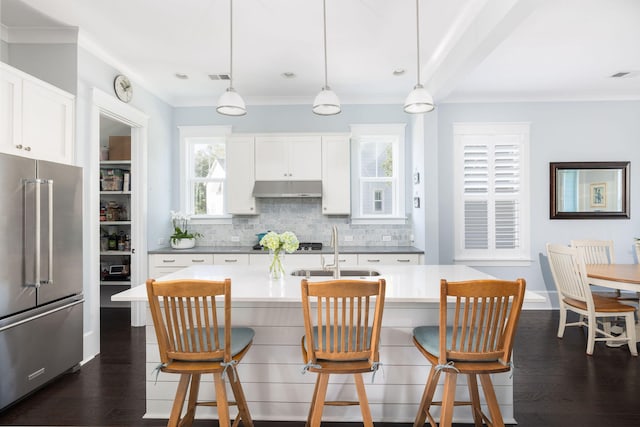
324 250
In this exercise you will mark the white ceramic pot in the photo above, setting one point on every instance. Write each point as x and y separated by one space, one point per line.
183 243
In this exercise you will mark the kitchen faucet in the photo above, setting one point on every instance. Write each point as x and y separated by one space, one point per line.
336 257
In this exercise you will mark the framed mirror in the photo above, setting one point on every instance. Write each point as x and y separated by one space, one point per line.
589 190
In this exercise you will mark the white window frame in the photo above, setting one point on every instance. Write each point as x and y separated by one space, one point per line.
189 135
490 132
398 180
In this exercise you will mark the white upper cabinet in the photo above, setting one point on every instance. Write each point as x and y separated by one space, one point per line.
288 158
336 175
36 118
240 175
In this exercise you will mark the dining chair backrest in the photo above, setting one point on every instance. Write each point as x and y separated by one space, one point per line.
190 324
483 323
595 251
345 324
569 273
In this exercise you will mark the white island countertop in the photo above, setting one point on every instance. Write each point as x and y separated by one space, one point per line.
407 283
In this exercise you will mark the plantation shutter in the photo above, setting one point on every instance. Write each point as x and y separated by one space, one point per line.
490 195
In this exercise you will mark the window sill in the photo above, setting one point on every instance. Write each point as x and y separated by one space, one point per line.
494 262
383 221
212 220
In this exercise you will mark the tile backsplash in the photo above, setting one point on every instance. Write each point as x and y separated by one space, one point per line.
305 219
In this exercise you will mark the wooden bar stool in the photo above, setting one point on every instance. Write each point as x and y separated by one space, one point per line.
344 339
477 342
185 316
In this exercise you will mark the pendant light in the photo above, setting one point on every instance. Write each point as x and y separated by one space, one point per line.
419 100
230 102
326 102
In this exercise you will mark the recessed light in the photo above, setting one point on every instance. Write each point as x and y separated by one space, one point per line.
288 74
182 76
399 71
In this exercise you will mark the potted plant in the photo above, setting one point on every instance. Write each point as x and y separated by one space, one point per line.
182 238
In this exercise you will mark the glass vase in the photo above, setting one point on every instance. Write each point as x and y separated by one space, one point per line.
276 267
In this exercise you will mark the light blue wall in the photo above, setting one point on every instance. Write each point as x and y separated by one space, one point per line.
560 131
54 63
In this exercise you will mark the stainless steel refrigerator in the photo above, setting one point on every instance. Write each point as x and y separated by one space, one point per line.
40 273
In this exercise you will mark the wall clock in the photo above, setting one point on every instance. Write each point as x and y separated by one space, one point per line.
123 88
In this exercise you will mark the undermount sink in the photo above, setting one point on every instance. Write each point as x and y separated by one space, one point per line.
329 273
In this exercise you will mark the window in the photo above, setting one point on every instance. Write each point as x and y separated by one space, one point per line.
378 173
491 193
203 177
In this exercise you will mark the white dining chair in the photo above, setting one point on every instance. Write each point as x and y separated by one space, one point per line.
574 294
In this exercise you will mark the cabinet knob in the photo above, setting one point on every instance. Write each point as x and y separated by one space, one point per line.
19 146
27 148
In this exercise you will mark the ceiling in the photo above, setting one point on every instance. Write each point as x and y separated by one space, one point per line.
471 50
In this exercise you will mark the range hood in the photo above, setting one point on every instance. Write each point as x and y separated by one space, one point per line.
287 189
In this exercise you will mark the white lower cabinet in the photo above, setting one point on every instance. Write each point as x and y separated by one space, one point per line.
162 264
346 260
231 259
388 259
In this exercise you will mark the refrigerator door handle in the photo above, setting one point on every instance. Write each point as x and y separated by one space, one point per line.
49 279
36 222
37 281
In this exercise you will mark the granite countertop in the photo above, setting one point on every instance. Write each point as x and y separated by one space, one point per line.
324 250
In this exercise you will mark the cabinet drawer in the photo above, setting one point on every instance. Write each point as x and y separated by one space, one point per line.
231 259
345 259
290 261
180 260
388 259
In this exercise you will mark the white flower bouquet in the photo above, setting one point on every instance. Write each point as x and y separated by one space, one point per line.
276 243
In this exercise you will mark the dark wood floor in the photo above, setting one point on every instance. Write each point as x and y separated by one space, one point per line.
555 382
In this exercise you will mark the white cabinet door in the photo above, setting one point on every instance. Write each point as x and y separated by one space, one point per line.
285 158
162 264
305 158
240 175
36 118
336 175
10 112
272 159
47 122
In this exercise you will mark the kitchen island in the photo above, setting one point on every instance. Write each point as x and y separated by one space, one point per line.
271 371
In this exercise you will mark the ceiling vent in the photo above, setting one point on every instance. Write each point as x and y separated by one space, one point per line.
625 74
219 77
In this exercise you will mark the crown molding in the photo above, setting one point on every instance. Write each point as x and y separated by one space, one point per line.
40 35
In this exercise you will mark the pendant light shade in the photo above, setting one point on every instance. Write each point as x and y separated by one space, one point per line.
419 100
326 102
230 102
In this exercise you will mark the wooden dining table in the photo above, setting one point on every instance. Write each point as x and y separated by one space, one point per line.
625 277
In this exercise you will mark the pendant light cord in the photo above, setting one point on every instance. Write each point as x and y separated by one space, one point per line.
324 16
231 43
418 36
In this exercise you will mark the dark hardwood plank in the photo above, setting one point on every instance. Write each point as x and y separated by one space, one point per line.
555 383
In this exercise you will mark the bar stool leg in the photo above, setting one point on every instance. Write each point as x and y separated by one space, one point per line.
364 402
318 403
221 399
193 398
427 397
178 402
492 401
472 383
448 398
241 401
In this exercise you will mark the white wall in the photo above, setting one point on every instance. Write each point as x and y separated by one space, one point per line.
95 73
560 132
53 63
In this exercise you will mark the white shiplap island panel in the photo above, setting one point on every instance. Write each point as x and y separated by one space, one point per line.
271 371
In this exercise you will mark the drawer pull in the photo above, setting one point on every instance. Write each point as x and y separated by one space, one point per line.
230 260
168 260
197 260
403 260
373 260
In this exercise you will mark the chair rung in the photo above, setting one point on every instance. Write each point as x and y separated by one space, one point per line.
341 403
214 403
456 403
